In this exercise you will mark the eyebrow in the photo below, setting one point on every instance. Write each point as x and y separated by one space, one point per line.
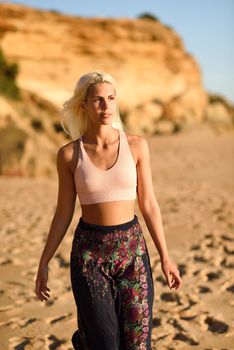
101 96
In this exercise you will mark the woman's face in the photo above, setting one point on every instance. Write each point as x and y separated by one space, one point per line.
101 103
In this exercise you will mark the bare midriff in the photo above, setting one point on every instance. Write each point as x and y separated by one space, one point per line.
108 213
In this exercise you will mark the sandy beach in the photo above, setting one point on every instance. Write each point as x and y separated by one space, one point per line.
193 174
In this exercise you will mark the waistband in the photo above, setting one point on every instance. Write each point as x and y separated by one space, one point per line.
107 228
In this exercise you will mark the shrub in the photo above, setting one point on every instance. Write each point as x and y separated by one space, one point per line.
56 12
149 16
57 127
8 73
37 124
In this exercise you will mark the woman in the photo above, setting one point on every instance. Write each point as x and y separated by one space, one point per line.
110 268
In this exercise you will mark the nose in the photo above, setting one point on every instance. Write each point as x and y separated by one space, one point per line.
104 104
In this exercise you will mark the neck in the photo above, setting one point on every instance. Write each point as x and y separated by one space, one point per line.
100 136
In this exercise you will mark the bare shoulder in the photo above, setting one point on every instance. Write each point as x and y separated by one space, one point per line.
66 155
138 145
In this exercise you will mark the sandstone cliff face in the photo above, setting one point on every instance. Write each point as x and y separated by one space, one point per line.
30 136
160 84
147 59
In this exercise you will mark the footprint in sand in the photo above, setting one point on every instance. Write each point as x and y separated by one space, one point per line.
16 322
51 320
23 343
13 323
230 288
18 343
53 343
162 280
200 258
227 238
193 299
176 324
195 247
228 262
209 275
183 269
229 248
62 262
171 297
5 261
25 322
183 337
216 326
196 272
156 322
204 289
214 275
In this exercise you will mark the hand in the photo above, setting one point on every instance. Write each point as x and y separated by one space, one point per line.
171 272
41 289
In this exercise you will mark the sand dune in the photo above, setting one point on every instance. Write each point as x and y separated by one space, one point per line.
193 180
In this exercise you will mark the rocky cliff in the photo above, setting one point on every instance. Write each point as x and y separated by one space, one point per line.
147 59
30 135
160 83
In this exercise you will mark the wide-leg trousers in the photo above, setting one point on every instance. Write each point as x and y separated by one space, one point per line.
113 287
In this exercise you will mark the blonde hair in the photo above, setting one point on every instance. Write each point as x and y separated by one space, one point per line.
73 114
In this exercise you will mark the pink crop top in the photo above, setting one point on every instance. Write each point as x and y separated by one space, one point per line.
95 185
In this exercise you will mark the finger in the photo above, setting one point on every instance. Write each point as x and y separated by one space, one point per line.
174 279
176 275
42 297
168 280
39 294
44 290
171 283
177 283
178 278
46 293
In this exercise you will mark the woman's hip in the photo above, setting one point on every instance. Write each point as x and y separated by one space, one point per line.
99 243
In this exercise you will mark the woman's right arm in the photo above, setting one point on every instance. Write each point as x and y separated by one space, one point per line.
61 220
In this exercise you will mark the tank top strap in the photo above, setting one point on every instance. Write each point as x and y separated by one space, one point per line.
80 146
77 151
125 146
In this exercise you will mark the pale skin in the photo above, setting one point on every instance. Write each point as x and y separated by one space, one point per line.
101 145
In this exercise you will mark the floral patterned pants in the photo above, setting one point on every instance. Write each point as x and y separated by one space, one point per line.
113 287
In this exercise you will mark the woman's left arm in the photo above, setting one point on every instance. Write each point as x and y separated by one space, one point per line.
151 212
